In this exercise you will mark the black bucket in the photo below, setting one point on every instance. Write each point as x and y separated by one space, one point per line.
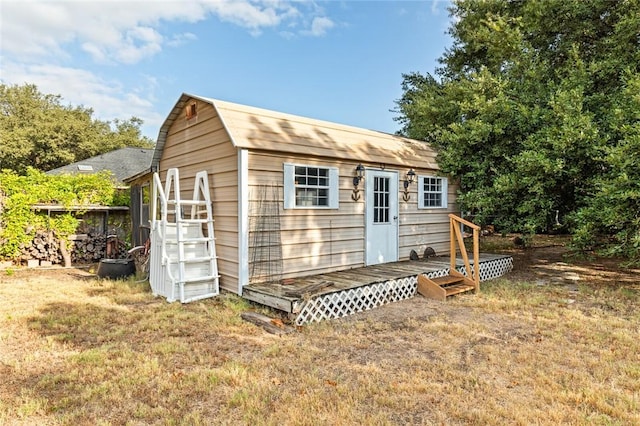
116 268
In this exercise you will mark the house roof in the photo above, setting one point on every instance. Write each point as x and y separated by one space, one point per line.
265 130
122 163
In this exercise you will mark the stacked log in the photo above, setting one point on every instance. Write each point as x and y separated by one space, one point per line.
93 247
43 247
86 248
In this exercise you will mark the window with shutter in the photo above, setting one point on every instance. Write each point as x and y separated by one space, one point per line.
308 187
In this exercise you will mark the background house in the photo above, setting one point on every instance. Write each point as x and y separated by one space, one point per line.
122 163
125 164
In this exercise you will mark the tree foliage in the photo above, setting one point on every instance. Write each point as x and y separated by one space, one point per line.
39 131
535 107
19 192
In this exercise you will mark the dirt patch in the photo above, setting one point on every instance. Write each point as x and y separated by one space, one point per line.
553 342
563 280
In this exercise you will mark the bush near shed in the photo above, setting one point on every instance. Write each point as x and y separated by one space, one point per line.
18 193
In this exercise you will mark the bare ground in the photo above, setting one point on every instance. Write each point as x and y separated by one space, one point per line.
554 342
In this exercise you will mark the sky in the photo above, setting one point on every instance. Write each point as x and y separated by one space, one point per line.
340 61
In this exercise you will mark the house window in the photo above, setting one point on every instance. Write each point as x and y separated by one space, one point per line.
191 111
308 187
432 192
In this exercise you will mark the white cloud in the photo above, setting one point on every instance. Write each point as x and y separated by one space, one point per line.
287 35
319 26
132 46
435 10
128 32
42 42
108 98
177 40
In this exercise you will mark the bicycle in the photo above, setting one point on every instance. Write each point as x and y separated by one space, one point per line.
141 257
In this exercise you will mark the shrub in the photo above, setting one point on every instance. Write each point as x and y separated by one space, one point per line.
18 193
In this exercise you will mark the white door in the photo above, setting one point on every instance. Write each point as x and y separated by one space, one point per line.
381 188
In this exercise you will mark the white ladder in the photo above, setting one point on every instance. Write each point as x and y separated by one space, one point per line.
183 256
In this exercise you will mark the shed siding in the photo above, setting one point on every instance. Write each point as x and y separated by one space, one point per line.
202 143
322 240
312 240
309 241
422 228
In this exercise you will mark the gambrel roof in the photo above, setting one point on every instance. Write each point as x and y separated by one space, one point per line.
260 129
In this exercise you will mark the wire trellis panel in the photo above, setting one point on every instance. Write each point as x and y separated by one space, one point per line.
348 302
265 249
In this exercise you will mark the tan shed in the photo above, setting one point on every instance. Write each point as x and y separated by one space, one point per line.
294 196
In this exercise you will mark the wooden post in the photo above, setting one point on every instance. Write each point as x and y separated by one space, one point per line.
476 257
452 244
66 256
457 233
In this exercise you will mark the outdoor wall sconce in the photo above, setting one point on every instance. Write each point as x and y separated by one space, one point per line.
408 180
356 181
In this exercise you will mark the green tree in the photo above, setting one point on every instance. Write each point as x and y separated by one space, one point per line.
611 219
531 109
37 130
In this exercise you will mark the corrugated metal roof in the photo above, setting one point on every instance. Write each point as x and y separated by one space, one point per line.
260 129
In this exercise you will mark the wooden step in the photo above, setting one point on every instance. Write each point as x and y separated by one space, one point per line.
458 288
442 287
447 280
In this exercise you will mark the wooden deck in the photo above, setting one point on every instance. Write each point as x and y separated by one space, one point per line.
291 295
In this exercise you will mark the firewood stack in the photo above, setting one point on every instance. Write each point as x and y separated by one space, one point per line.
94 247
44 246
86 248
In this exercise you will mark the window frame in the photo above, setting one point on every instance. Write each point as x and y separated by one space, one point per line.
444 188
290 187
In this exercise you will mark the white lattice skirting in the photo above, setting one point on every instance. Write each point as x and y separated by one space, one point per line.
348 302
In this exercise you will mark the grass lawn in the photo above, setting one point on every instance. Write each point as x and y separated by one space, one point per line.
554 342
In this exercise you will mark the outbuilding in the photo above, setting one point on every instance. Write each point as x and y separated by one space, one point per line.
314 218
294 196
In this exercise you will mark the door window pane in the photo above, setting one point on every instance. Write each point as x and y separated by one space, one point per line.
381 199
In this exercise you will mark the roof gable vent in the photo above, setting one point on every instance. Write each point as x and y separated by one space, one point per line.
191 110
